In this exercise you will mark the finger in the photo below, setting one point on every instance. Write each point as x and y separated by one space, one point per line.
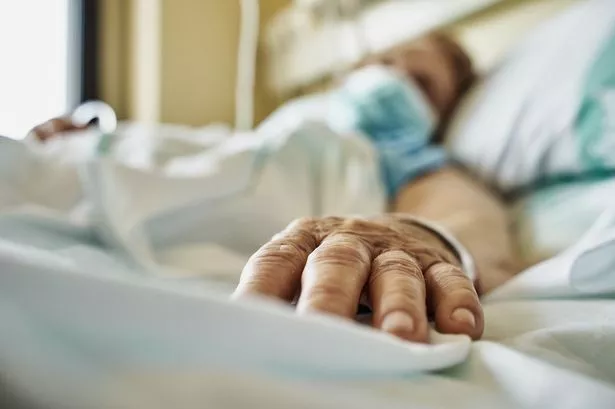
52 127
397 294
45 130
454 301
335 275
275 269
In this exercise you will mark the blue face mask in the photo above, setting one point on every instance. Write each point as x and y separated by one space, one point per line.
395 114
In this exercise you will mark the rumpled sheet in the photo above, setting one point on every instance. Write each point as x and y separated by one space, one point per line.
116 260
551 219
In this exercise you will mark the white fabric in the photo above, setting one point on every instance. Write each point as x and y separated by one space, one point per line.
208 177
517 124
108 294
549 220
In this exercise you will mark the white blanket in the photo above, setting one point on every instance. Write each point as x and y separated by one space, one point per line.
114 272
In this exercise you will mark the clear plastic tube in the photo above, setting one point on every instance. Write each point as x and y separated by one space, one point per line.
246 64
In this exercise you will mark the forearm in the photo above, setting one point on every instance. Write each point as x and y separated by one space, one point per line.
474 215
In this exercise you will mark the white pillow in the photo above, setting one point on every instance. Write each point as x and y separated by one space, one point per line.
517 124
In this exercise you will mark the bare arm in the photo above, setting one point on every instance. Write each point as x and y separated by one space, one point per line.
473 214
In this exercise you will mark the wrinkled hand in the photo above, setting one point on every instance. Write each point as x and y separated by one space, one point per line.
53 127
405 270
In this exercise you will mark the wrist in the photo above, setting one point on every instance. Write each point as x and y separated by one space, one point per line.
445 239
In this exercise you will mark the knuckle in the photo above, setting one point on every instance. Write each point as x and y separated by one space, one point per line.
397 283
273 268
457 289
356 223
301 241
410 296
346 251
324 292
316 227
302 223
369 229
453 283
398 261
404 297
445 271
278 255
334 219
429 256
279 249
397 290
448 278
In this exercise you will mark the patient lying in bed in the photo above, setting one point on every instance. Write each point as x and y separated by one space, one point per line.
447 237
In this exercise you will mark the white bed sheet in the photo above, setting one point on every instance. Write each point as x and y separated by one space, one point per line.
123 304
553 218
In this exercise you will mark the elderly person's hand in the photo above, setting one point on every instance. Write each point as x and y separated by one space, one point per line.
54 127
406 271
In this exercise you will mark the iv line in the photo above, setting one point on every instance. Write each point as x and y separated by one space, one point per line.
246 65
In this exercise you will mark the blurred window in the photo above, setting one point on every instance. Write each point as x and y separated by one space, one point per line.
36 69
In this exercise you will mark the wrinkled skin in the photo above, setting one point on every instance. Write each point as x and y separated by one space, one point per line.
405 270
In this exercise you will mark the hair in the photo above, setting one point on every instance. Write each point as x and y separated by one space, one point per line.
464 74
462 64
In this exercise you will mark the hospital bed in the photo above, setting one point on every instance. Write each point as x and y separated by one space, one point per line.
120 300
299 48
302 62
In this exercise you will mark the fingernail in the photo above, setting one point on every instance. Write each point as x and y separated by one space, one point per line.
464 316
398 322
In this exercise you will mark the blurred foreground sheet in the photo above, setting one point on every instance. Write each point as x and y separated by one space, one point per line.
117 254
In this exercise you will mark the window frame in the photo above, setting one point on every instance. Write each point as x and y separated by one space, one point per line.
84 46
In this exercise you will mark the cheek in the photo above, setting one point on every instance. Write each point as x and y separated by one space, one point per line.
441 89
443 82
429 85
435 77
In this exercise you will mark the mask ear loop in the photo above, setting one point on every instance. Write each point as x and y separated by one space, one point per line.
246 64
